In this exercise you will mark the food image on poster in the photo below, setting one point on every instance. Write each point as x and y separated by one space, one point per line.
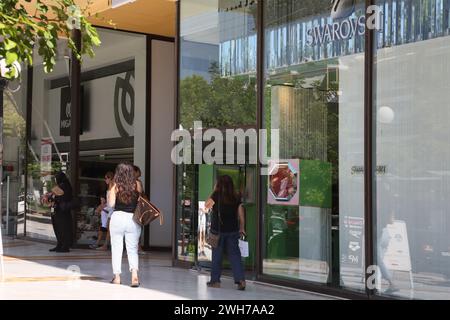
283 181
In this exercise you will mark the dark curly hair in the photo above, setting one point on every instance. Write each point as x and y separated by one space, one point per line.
125 183
224 189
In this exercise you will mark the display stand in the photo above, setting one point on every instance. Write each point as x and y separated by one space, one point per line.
397 257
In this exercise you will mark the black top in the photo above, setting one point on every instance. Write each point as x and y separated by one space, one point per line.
228 215
63 202
130 207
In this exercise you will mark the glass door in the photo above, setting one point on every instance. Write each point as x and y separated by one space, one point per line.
244 180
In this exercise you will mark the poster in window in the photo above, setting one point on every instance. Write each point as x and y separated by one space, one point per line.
284 180
46 156
397 256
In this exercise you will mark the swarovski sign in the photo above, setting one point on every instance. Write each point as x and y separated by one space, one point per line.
344 26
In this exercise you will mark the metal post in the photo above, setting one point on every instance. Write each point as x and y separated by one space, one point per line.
3 84
259 124
7 204
75 106
27 143
369 153
148 134
175 199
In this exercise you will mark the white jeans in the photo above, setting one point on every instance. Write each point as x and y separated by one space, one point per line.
122 225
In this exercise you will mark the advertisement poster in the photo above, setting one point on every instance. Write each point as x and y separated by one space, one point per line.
46 156
204 250
284 180
397 255
353 252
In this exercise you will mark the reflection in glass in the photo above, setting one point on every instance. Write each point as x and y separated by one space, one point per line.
413 221
13 161
314 97
217 87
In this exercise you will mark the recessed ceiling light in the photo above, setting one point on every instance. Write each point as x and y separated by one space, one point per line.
118 3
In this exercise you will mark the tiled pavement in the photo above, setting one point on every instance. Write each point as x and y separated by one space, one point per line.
31 272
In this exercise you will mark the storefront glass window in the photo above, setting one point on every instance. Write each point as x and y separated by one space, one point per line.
412 97
13 161
218 63
313 196
44 156
218 51
113 86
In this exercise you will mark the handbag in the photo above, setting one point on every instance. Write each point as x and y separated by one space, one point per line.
213 238
146 212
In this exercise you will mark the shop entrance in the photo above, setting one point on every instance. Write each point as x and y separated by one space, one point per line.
93 167
194 222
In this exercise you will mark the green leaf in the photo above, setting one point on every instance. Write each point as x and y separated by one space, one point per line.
41 7
9 44
11 57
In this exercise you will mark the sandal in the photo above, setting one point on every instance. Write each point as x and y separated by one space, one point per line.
241 285
135 284
211 284
113 281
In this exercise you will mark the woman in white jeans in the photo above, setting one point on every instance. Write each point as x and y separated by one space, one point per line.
123 199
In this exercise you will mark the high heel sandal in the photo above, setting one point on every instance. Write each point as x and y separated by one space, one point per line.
211 284
113 281
241 286
135 284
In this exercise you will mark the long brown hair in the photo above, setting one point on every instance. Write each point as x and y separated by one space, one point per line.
224 189
110 176
125 183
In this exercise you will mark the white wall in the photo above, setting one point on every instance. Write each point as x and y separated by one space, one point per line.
162 124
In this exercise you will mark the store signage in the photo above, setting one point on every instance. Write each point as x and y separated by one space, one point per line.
239 5
344 26
66 113
353 231
124 104
381 170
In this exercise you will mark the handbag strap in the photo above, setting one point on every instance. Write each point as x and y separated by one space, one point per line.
160 214
218 213
219 217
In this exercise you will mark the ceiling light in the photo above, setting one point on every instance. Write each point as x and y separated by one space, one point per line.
118 3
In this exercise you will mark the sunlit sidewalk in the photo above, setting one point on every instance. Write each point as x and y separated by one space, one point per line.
32 272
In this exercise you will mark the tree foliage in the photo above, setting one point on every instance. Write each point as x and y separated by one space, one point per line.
14 123
21 32
218 103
